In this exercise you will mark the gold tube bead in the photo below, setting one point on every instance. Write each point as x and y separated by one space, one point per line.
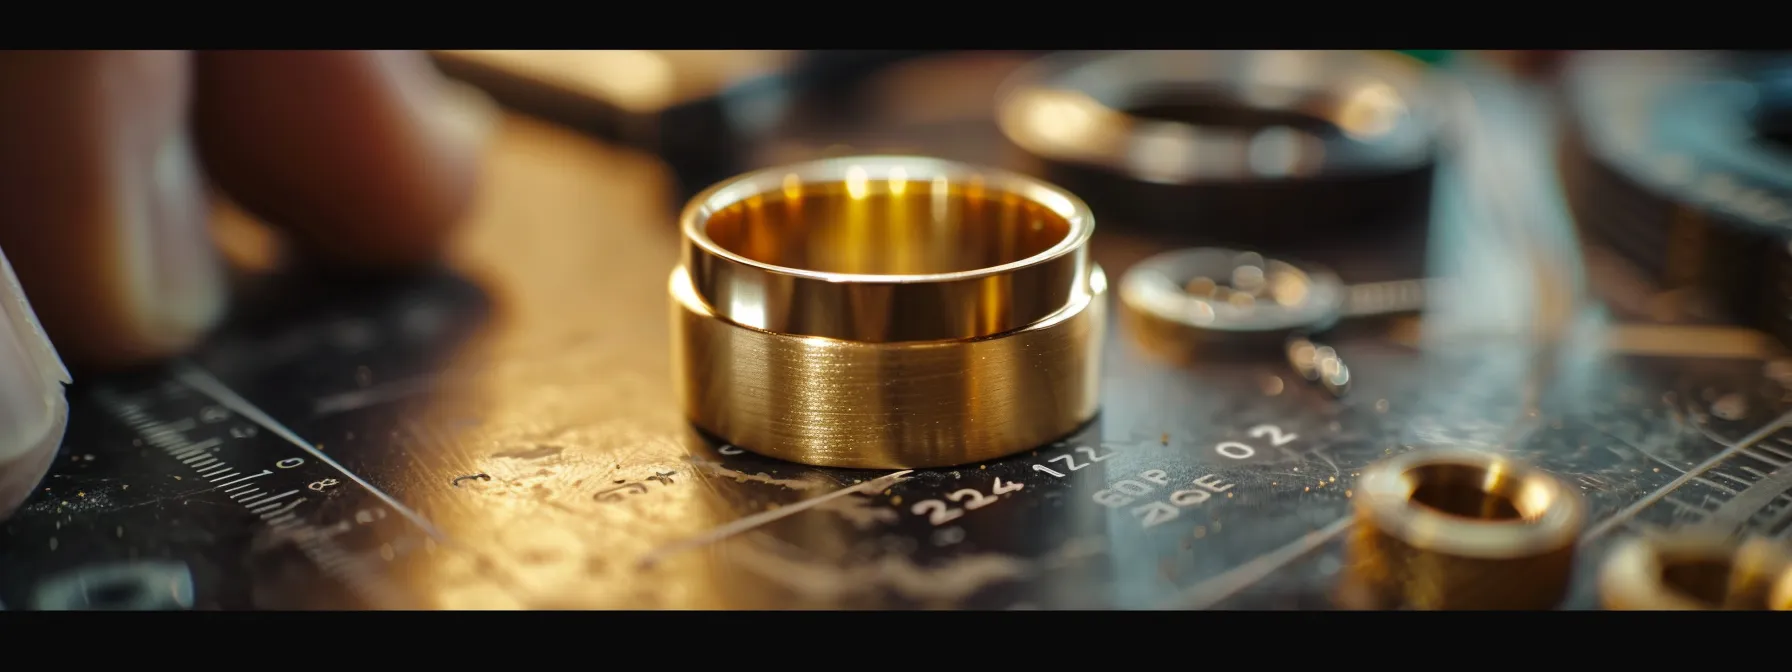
1457 529
1696 571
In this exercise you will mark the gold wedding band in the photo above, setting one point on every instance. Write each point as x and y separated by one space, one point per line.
887 312
1457 529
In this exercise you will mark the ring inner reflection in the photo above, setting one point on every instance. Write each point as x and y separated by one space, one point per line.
889 226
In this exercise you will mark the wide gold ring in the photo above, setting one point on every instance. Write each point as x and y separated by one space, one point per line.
887 312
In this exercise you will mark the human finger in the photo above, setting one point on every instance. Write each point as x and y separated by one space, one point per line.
102 207
356 154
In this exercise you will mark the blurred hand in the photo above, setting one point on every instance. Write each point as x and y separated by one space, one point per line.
105 162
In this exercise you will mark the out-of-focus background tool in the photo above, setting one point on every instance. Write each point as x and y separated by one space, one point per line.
1594 409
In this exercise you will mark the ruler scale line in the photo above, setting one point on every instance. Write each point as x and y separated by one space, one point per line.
266 500
1611 522
212 387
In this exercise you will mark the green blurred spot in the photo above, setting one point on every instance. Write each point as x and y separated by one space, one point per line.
1432 56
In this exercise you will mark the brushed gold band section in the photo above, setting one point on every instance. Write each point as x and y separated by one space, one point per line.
867 405
886 249
1696 572
1450 529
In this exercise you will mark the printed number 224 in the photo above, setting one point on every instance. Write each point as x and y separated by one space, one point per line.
940 513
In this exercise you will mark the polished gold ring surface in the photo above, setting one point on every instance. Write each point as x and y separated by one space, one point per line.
887 312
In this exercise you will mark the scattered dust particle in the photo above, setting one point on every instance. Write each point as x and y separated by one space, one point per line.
1306 489
88 457
118 531
387 553
955 474
58 524
1275 483
896 501
1228 495
1381 405
80 494
54 543
126 486
1656 470
1348 493
1200 531
980 467
886 491
1731 406
177 478
1333 479
1165 439
320 446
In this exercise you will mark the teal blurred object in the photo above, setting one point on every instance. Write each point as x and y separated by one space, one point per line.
1430 56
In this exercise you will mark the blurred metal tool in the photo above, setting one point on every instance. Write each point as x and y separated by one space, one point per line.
1679 162
1268 149
1185 302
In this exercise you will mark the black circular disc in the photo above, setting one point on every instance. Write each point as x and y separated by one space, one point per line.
1266 149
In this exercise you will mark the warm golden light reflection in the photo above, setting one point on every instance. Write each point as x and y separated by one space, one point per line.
1494 478
1533 500
1370 111
942 202
857 225
1066 121
857 182
1289 289
1163 151
898 181
793 187
563 409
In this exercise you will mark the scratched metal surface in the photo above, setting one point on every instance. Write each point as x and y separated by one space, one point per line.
501 436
